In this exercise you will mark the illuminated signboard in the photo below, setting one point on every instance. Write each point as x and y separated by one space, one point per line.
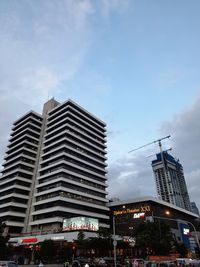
80 223
140 215
29 240
141 209
57 238
186 231
185 234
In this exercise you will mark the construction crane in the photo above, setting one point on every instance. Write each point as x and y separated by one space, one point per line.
165 168
156 141
169 149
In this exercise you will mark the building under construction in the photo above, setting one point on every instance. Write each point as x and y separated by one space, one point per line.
170 181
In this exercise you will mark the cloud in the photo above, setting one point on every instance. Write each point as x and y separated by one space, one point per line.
44 45
113 5
185 131
133 176
170 78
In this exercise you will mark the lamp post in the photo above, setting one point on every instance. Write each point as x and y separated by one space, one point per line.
170 219
114 242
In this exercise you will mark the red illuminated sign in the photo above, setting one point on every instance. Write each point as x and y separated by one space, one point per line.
140 215
29 240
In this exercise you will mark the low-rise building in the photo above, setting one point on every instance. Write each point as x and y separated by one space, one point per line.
128 214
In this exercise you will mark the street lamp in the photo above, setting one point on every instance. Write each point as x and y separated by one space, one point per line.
176 220
114 242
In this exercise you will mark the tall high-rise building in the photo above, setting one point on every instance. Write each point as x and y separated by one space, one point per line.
194 208
170 182
55 168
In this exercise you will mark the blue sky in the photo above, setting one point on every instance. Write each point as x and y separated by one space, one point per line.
133 63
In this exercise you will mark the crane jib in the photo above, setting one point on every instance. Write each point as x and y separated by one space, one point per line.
156 141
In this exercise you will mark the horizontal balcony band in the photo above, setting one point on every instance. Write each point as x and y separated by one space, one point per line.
65 118
30 114
15 186
26 124
14 179
47 221
16 170
18 162
99 123
72 173
56 138
23 148
12 213
23 138
23 133
14 223
25 142
17 195
65 163
71 181
69 210
71 200
13 204
78 145
64 154
66 106
84 157
73 128
76 150
19 156
73 191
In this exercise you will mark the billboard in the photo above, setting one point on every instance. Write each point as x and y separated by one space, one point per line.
185 234
80 223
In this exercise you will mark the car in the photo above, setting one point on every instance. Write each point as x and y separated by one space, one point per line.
151 264
100 262
8 264
167 264
82 262
110 262
137 262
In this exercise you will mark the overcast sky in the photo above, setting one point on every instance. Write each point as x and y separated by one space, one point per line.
133 63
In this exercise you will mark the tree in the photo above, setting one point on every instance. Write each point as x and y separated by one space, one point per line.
81 236
100 245
181 249
65 254
47 250
104 233
4 249
153 238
